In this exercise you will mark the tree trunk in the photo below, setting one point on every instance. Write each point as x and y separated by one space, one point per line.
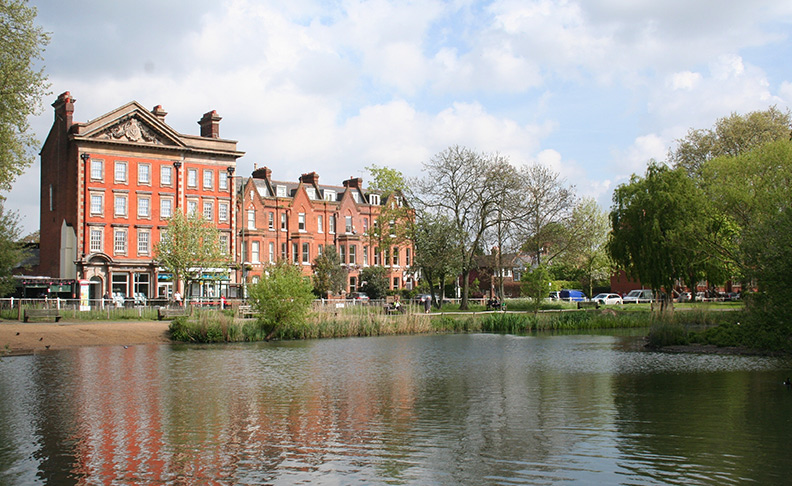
465 287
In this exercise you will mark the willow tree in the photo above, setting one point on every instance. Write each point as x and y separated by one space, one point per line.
189 246
657 226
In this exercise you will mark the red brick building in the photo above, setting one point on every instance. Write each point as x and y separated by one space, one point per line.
296 221
108 185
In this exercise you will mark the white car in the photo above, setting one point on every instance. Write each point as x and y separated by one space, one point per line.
608 299
639 296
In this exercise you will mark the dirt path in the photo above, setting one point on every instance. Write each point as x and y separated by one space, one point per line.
19 338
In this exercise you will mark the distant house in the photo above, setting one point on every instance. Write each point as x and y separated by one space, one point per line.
490 269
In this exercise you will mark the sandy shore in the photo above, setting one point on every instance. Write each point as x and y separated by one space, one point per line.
20 338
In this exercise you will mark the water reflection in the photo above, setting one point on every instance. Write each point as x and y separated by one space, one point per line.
460 409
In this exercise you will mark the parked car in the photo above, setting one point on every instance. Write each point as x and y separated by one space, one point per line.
608 299
423 298
572 295
733 296
638 296
684 297
553 295
359 297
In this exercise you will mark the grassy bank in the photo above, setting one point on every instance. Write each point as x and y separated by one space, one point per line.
212 326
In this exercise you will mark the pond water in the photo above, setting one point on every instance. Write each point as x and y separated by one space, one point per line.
445 409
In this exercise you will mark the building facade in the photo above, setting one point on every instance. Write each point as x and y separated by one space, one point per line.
108 186
297 221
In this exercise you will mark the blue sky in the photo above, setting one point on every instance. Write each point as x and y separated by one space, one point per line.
592 89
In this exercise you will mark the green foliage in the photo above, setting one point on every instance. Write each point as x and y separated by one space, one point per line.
328 274
190 245
658 226
731 136
664 333
535 284
375 282
436 252
282 296
11 251
21 87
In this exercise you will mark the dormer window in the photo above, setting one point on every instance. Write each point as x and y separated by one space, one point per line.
356 197
374 199
311 193
281 191
329 195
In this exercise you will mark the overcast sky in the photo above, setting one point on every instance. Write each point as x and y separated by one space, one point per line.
593 89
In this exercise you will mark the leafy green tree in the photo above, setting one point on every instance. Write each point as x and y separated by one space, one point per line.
21 86
11 251
374 281
656 227
328 274
282 297
394 224
730 136
189 246
536 284
436 253
586 255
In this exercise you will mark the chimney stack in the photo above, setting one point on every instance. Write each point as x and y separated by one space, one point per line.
210 125
310 178
160 113
64 108
262 173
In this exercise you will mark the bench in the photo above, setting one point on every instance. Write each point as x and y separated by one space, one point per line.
391 307
171 312
245 312
588 304
55 313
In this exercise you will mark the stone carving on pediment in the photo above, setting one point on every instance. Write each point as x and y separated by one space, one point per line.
131 130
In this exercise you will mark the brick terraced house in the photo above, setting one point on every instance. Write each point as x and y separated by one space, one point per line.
296 221
108 185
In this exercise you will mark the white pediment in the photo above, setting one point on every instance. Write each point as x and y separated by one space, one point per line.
132 129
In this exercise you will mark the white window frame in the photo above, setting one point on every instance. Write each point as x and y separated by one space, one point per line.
222 211
271 221
96 239
192 206
120 169
319 224
301 222
271 252
97 208
166 208
144 207
251 219
208 210
208 179
144 242
280 191
120 241
374 199
144 173
255 252
97 169
329 195
332 223
284 222
192 178
166 175
120 206
306 253
222 184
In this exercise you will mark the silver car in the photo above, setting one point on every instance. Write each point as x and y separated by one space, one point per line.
607 299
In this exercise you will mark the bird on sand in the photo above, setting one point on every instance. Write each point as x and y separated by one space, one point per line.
41 339
17 334
47 346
